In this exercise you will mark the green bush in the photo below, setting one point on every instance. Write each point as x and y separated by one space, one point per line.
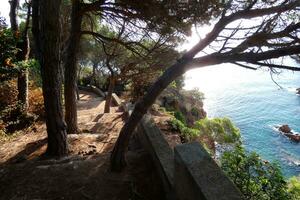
256 179
188 134
221 129
294 187
178 115
8 49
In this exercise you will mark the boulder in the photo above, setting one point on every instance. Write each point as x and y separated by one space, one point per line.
294 137
285 128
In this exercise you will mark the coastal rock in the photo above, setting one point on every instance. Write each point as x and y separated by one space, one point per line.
285 128
287 131
184 102
294 137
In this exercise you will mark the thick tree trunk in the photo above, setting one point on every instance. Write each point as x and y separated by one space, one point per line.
110 90
14 4
71 69
46 31
117 159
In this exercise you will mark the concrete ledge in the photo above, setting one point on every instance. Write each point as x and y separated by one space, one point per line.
162 155
197 176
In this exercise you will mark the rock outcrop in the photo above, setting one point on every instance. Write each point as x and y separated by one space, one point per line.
287 131
182 101
285 128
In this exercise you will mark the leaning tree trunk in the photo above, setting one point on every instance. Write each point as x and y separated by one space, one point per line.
46 31
110 90
117 159
71 69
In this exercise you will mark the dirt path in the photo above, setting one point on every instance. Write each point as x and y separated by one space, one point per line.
84 174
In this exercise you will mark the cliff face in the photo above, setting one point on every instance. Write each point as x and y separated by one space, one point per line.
189 103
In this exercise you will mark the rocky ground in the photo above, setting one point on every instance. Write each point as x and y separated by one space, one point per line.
84 174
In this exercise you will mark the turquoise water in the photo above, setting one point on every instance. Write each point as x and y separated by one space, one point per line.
256 105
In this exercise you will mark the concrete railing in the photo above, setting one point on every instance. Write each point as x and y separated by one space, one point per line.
197 176
161 153
188 172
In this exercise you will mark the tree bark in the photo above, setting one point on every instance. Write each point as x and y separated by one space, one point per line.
46 31
71 69
23 89
117 159
24 45
14 4
110 90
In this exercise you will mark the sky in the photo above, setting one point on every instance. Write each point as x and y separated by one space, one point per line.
4 10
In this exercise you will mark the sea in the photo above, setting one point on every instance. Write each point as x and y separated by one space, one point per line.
256 101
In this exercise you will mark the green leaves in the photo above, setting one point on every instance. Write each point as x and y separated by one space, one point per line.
8 49
221 129
256 178
294 187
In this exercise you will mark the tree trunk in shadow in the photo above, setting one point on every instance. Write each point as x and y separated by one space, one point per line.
46 31
71 69
117 159
14 4
110 90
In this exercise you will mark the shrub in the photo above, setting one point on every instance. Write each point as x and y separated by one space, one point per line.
36 101
178 115
176 124
8 93
221 129
294 187
255 178
187 134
